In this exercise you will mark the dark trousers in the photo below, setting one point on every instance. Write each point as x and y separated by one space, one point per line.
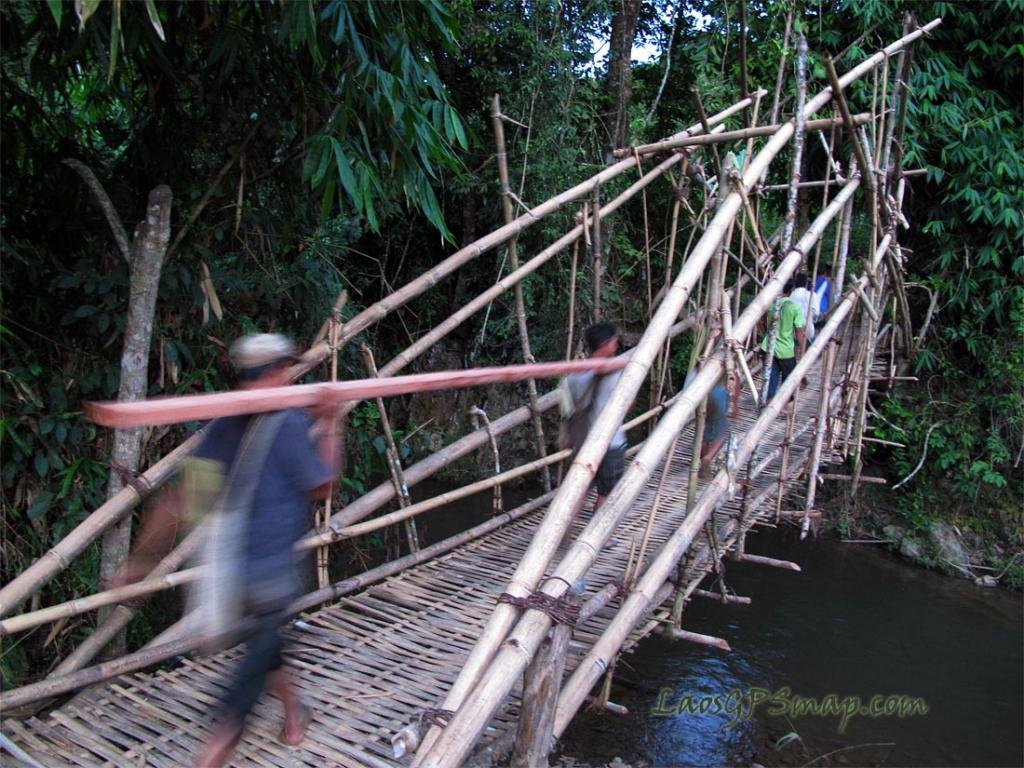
781 368
262 656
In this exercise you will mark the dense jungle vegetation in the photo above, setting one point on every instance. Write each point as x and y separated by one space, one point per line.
312 147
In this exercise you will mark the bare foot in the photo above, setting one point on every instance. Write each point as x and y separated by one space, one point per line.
218 749
294 730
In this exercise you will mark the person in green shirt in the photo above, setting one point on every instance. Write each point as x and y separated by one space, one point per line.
789 338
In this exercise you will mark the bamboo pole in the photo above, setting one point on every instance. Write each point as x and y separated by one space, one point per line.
791 204
819 436
724 137
863 383
572 300
776 102
121 615
479 415
92 602
844 248
784 464
134 662
159 583
456 319
513 255
844 110
394 459
323 515
595 252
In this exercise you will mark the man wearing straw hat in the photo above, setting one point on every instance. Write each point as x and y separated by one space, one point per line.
260 472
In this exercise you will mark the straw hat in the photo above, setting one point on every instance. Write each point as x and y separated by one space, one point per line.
260 349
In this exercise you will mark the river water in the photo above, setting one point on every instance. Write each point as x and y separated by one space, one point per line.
856 622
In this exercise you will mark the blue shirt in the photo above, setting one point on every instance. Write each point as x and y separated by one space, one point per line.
280 512
823 289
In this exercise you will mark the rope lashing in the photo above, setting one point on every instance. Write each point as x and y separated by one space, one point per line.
560 609
130 477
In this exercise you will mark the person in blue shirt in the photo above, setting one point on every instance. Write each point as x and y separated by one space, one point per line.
823 288
264 470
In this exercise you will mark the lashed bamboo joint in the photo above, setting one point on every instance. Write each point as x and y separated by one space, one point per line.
452 626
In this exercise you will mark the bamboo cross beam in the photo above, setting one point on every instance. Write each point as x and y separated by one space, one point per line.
861 118
173 410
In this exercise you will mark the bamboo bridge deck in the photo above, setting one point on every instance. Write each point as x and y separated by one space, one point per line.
371 662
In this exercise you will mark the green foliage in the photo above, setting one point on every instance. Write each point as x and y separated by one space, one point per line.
963 125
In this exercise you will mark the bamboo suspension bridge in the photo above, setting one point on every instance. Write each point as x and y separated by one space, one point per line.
485 644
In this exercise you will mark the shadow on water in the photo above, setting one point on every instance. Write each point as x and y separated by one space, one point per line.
855 622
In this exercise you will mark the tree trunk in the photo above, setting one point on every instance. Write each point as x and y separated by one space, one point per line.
148 248
620 71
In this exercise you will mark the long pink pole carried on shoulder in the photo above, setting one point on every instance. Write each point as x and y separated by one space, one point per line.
171 410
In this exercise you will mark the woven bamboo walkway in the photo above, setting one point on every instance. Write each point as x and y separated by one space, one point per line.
370 663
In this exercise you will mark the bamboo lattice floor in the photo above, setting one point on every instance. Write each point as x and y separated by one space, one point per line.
370 663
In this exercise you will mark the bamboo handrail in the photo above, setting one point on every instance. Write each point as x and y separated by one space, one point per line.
160 583
133 662
861 118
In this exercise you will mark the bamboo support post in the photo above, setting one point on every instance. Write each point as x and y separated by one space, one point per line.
572 298
780 78
844 109
542 683
784 464
695 637
798 140
480 415
862 391
785 565
333 316
513 255
819 436
791 204
699 104
596 247
730 599
394 458
323 514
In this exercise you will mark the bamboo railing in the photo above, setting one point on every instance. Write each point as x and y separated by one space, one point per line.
494 664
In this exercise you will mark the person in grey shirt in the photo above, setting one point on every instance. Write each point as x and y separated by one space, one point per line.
592 392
